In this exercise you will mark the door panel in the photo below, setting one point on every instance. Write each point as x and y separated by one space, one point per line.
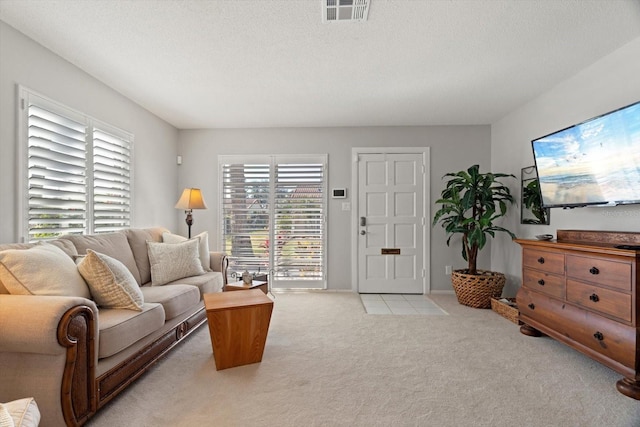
391 199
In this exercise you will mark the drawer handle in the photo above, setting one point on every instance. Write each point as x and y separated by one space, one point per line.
541 282
598 335
594 297
532 306
541 260
594 270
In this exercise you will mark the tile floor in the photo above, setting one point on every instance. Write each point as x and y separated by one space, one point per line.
400 304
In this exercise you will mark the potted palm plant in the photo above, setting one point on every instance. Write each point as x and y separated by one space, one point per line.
471 202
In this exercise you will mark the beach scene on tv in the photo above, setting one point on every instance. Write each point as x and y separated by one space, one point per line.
594 162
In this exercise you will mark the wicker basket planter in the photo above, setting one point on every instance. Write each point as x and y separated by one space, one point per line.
477 290
509 312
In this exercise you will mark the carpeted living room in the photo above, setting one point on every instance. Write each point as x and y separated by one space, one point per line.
319 212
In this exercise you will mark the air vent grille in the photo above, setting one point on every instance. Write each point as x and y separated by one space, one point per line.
345 10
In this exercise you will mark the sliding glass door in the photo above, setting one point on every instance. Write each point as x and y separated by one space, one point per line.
273 217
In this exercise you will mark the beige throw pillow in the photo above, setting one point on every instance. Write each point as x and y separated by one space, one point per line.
203 246
173 261
23 412
43 269
110 281
5 417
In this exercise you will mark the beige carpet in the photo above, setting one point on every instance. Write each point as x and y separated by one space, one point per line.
328 363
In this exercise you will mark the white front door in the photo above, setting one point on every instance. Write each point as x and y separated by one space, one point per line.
391 223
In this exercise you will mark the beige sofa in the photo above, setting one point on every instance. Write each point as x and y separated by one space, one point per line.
73 355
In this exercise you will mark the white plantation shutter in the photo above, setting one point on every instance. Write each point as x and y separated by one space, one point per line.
57 174
245 207
299 221
273 217
76 171
111 181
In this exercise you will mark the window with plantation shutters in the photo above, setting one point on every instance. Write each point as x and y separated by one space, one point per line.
273 217
76 171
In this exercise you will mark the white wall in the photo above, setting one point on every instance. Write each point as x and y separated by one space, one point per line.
452 148
610 83
22 61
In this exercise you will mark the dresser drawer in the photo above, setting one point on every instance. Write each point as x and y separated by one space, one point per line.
570 323
541 281
541 308
608 337
551 262
607 301
614 274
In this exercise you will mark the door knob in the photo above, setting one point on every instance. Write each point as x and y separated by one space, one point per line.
362 232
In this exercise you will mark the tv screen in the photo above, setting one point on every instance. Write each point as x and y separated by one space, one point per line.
595 162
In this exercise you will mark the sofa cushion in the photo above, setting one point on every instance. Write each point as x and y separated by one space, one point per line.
114 245
111 284
203 246
118 328
138 238
173 261
43 269
207 283
175 299
20 413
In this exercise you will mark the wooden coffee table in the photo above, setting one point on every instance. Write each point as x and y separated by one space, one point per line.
238 326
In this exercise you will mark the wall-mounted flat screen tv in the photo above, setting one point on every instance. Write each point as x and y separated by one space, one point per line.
596 162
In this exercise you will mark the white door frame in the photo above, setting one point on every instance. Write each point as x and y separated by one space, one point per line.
355 152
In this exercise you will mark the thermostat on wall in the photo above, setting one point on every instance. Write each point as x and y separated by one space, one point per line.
339 193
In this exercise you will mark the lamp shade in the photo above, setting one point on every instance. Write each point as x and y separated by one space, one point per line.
191 199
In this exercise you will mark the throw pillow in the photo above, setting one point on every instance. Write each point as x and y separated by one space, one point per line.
203 246
110 281
43 269
5 417
173 261
24 412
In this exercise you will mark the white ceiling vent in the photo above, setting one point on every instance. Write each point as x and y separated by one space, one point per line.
345 10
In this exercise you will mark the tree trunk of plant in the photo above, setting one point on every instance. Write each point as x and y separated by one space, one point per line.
473 258
472 255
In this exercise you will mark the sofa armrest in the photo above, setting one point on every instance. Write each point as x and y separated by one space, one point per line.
220 262
29 323
57 338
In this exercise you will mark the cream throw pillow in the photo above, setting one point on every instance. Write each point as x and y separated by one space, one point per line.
173 261
110 281
5 417
43 269
203 246
23 413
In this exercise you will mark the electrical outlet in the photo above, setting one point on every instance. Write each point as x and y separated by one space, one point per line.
447 270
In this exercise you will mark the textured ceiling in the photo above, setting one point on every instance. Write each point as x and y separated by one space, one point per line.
238 64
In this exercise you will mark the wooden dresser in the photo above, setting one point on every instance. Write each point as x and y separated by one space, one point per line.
583 291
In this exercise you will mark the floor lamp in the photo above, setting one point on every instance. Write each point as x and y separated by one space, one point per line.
191 199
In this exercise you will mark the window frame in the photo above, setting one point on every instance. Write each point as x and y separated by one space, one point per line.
27 97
